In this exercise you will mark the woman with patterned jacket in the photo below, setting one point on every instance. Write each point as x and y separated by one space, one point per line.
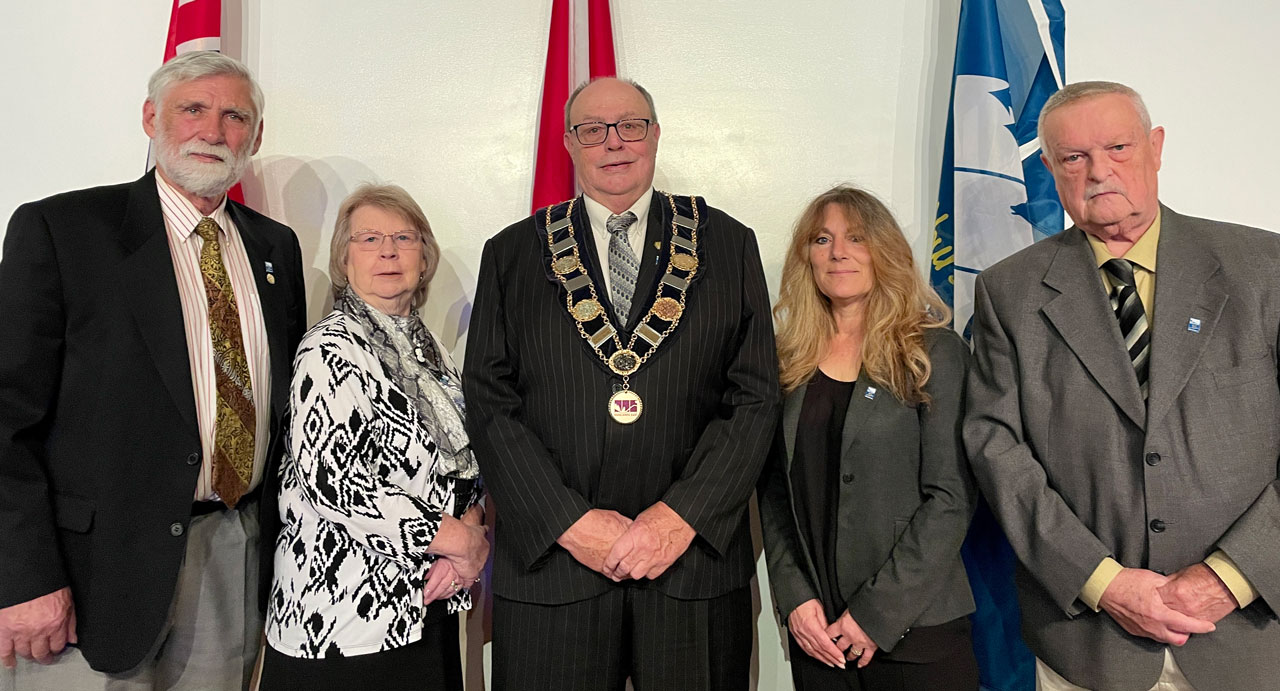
382 532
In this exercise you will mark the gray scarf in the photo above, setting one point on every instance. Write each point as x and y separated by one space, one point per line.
411 359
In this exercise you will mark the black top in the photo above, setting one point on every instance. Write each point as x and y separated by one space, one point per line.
815 475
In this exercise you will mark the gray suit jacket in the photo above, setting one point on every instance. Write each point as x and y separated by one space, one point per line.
906 498
1077 468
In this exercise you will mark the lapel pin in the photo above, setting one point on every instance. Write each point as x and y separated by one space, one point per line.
1193 325
271 276
870 395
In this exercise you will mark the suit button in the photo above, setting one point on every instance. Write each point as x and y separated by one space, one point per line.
176 529
847 478
1157 525
1153 458
193 459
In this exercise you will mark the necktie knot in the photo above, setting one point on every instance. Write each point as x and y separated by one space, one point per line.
619 223
1120 271
207 229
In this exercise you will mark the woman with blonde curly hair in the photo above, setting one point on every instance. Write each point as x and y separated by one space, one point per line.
867 495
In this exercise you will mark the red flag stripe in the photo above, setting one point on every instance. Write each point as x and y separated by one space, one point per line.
190 21
601 39
553 172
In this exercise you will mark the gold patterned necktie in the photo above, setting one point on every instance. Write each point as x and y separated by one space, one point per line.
236 419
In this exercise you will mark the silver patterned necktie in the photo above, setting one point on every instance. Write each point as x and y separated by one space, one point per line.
624 266
1127 305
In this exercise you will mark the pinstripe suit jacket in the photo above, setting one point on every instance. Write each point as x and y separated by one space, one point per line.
1078 468
536 400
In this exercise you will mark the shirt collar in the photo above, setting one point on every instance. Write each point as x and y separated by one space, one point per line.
599 214
181 216
1143 252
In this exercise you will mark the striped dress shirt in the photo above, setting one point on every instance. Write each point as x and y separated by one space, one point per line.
180 219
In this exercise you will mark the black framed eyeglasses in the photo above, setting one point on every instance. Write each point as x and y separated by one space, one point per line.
594 133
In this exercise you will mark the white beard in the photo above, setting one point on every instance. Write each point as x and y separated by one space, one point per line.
201 178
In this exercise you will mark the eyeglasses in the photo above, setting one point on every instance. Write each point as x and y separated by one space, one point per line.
371 240
594 133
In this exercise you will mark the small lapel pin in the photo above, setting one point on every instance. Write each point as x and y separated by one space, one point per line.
271 276
870 395
1193 325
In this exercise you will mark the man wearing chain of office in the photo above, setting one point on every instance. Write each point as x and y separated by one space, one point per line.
622 388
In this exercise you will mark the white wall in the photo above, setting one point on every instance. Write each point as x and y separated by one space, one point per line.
763 105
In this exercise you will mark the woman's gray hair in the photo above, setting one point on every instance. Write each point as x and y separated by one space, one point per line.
1081 90
394 199
199 64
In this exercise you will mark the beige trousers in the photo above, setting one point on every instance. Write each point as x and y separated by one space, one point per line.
1171 678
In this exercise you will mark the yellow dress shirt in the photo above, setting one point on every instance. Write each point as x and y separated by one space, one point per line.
1143 256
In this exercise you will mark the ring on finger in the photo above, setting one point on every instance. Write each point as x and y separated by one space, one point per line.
855 653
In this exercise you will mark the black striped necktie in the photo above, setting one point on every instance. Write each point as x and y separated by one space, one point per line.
1132 317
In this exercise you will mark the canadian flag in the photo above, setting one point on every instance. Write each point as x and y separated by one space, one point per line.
579 48
195 25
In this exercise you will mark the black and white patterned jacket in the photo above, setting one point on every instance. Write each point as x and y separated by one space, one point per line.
360 502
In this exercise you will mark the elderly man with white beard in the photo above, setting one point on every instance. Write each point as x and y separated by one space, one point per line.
144 363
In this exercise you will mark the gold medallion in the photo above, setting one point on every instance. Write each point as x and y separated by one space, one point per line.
624 362
667 309
586 310
684 262
565 264
625 407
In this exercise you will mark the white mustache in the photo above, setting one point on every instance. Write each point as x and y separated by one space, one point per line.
1091 192
222 151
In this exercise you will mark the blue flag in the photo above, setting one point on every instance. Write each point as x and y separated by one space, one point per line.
995 198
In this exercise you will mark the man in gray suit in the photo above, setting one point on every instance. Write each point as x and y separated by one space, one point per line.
1125 428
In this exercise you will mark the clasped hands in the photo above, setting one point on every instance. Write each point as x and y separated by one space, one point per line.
461 567
1170 608
609 543
832 644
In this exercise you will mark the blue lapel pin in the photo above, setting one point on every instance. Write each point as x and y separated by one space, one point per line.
870 395
271 276
1193 325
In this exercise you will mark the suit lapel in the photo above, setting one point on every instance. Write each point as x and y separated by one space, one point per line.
652 253
272 299
867 399
1083 318
791 406
591 261
1189 289
151 291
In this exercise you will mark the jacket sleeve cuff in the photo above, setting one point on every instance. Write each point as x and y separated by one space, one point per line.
1232 577
1091 593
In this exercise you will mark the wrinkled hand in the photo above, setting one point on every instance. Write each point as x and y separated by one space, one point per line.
442 582
37 629
655 540
473 516
852 640
808 625
472 561
1134 600
591 537
1196 591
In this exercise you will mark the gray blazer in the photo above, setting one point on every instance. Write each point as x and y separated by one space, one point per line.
906 498
1077 468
